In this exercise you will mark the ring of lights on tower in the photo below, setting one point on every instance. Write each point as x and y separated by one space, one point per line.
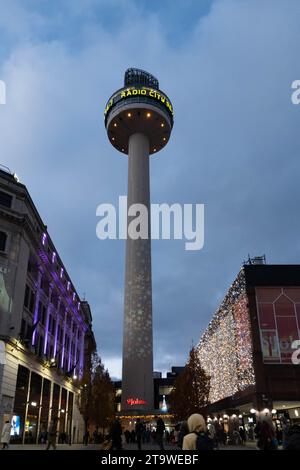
138 107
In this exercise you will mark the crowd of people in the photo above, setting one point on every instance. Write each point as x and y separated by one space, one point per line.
141 434
192 434
195 434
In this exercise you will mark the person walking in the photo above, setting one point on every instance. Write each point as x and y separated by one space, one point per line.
160 429
139 429
198 437
293 438
52 434
266 435
86 437
5 435
243 435
183 431
127 436
116 435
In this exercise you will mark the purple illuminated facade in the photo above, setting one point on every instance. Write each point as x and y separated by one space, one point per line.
45 328
60 333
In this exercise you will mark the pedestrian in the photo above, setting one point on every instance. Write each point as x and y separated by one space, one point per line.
5 435
116 435
198 437
212 433
242 435
127 436
86 438
95 436
293 438
52 434
183 431
285 423
236 437
176 434
144 436
251 433
160 428
220 434
266 435
132 436
139 429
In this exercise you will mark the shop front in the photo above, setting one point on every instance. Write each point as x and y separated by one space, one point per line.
37 401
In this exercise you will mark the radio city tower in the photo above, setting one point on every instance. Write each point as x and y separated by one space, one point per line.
139 121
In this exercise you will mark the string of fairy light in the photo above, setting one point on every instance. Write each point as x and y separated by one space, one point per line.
225 348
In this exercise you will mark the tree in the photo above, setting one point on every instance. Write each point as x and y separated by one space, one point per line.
102 396
191 389
86 381
97 396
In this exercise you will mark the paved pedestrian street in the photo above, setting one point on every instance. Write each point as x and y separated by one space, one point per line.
131 447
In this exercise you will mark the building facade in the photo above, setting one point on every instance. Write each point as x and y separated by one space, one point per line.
44 327
250 347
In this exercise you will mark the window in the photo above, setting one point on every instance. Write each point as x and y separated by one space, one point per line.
23 328
5 199
41 346
53 327
63 407
26 298
3 240
20 400
29 299
54 299
45 286
70 413
32 301
50 324
45 405
44 314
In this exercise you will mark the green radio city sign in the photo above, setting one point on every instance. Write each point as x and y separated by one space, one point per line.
132 92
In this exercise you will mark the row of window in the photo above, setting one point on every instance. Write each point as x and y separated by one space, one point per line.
26 334
29 302
59 270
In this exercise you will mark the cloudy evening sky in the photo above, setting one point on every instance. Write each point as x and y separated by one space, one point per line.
227 66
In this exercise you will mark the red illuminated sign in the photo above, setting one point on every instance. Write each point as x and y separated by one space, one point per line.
135 401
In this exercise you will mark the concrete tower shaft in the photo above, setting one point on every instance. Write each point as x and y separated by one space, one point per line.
139 121
137 370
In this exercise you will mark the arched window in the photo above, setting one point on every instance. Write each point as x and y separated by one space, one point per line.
3 240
